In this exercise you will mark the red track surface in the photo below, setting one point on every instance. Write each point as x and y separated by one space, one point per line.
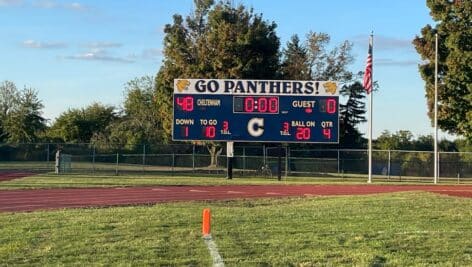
10 175
40 199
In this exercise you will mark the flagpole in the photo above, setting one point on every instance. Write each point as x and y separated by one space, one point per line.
436 111
371 101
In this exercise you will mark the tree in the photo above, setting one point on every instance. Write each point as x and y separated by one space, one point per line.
295 64
454 28
351 114
216 41
401 140
9 100
24 122
139 122
328 65
80 125
311 60
424 143
463 145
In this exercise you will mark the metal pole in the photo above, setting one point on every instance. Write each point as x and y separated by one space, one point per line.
264 155
436 111
93 159
229 159
173 162
389 164
117 162
286 161
47 156
193 158
279 163
144 156
338 161
439 166
244 160
371 104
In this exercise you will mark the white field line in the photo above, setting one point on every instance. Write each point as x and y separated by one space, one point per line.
215 255
198 191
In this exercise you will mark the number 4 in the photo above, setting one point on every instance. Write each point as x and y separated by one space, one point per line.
327 133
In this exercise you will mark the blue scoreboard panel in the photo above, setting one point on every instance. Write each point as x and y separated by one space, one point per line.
256 111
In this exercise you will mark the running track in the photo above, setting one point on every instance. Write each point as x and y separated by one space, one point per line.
11 175
42 199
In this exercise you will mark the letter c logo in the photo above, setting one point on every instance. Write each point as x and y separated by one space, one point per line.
255 127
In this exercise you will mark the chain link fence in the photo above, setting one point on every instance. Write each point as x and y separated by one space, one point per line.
251 160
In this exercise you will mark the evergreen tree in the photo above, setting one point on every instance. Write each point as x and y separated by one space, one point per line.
351 114
295 63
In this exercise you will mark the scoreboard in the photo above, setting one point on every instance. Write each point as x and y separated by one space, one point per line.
256 111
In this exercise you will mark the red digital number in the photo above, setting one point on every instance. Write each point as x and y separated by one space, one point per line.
262 102
185 103
286 127
327 133
303 133
331 105
185 131
273 105
225 126
248 104
210 132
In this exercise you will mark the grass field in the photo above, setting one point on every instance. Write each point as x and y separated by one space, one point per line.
398 229
50 180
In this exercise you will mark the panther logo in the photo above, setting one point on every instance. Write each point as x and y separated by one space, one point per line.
330 87
182 85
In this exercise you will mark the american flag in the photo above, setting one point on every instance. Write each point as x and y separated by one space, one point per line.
368 69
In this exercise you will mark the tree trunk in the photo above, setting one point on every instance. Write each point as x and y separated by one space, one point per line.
215 152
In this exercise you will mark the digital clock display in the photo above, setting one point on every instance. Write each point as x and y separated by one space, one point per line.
256 104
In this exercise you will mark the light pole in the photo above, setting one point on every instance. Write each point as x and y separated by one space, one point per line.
436 112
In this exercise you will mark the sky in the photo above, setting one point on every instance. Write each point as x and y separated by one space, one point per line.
75 53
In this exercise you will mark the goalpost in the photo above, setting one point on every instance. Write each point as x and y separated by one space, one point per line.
65 163
275 158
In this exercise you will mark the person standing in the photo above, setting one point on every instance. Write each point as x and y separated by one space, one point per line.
58 160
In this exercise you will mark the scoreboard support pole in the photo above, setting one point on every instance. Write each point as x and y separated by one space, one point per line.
229 157
279 162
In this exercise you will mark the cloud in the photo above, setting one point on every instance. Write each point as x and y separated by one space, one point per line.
43 45
151 53
50 4
394 62
99 55
46 4
10 2
97 45
147 54
384 42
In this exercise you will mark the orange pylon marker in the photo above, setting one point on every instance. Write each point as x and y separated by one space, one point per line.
206 223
